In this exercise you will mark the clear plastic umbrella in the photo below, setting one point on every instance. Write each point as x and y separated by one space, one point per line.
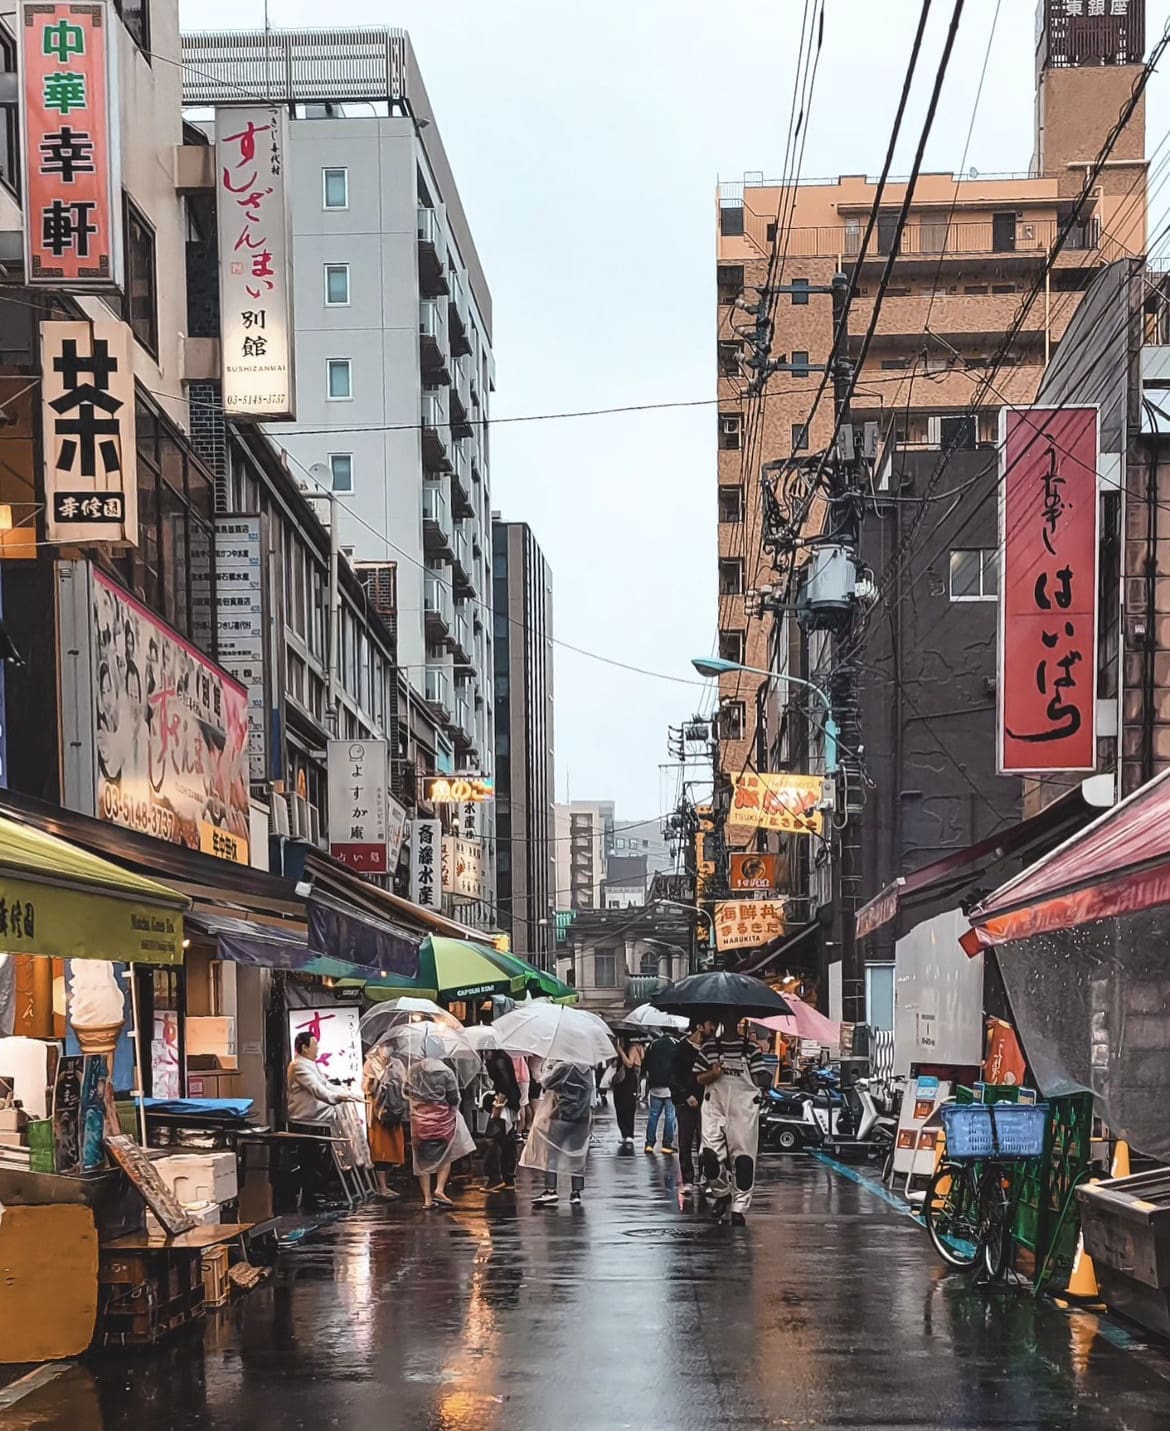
414 1041
647 1017
483 1037
557 1033
405 1010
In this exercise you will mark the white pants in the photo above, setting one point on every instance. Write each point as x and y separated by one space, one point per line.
731 1137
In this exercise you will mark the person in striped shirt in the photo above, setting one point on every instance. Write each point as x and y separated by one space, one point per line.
730 1068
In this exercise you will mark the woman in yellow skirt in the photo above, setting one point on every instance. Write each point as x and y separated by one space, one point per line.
383 1080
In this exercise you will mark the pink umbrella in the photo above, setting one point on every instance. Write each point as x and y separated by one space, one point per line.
803 1022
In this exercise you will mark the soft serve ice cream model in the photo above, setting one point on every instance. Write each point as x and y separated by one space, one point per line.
97 1006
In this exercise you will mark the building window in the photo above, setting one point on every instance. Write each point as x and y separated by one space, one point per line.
975 574
337 285
730 431
341 471
731 721
798 363
729 356
140 306
335 185
340 385
731 220
731 576
731 504
605 969
731 646
800 292
800 437
650 965
136 17
958 434
730 280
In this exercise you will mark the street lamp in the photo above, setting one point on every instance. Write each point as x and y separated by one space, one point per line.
715 666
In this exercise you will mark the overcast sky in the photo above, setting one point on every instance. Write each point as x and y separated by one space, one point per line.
586 141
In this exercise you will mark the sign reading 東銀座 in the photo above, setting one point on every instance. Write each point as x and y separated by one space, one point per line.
788 803
255 261
70 142
359 787
426 842
746 923
87 417
458 789
1047 685
752 870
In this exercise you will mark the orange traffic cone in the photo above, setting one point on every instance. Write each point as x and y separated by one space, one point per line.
1082 1281
1120 1168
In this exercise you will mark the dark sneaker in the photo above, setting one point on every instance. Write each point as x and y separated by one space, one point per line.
738 1219
546 1199
575 1200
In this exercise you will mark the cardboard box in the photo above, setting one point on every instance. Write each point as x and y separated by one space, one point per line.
212 1036
206 1214
200 1177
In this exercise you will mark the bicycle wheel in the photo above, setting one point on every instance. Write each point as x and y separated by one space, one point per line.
951 1213
996 1230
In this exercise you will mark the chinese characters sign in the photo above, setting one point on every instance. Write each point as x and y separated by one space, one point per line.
747 923
255 269
87 416
754 871
426 841
72 199
239 606
359 778
777 802
462 869
458 789
1048 605
171 732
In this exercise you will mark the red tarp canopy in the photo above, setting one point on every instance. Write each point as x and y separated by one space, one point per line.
1117 865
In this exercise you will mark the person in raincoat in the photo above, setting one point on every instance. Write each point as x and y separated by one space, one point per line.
731 1071
384 1084
559 1140
438 1134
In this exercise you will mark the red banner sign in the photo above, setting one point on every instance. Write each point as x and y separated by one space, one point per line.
1048 590
72 203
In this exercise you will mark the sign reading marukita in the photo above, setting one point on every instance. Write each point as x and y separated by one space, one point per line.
747 923
87 416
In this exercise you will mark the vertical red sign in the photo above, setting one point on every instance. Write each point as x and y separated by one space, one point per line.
72 208
1048 590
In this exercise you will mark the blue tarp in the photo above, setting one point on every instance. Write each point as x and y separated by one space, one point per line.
188 1107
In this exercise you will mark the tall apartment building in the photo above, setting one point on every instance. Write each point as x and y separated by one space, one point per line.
584 841
394 366
973 247
525 770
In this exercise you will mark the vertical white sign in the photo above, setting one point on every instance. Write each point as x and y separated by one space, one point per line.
239 609
358 799
395 832
426 845
255 261
87 416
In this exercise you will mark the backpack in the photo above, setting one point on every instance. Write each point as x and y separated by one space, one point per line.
390 1097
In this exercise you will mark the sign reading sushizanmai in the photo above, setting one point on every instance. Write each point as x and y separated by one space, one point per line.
87 417
72 178
1048 590
255 261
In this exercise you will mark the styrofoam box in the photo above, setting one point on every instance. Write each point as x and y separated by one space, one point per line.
206 1214
200 1177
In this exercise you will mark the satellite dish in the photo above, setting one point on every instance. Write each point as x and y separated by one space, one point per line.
972 173
321 475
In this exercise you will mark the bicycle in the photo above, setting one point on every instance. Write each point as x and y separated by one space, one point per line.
970 1204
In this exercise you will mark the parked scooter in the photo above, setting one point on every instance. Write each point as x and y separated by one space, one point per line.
787 1123
855 1126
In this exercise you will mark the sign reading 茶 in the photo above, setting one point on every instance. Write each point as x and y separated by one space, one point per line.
255 261
777 802
426 840
746 923
1047 686
359 782
72 169
87 416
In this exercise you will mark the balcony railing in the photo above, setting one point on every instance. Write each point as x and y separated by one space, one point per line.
437 599
430 319
428 226
437 688
437 514
926 240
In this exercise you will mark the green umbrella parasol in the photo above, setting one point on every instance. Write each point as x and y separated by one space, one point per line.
538 982
460 969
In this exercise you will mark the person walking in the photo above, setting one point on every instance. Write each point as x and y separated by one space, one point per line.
504 1111
658 1070
731 1070
625 1087
687 1095
559 1140
439 1135
384 1084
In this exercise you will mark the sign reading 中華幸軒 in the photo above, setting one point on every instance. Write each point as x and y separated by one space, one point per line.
87 418
255 261
746 923
70 142
1047 685
426 843
789 803
359 788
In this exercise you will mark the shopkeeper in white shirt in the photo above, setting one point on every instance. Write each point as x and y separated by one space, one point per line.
312 1099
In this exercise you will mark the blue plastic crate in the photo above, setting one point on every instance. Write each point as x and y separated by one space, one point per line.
978 1131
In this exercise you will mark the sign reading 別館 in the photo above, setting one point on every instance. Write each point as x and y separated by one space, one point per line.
746 923
788 803
359 789
1048 590
70 142
87 418
255 261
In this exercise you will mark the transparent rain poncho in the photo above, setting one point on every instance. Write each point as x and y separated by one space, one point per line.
559 1140
412 1041
438 1133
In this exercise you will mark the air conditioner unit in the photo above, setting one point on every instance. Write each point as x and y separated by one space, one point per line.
314 825
278 815
729 426
301 820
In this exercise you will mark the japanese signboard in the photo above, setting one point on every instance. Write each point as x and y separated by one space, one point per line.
255 261
239 610
70 143
1048 590
359 780
746 923
777 802
87 417
395 832
462 869
704 850
754 871
426 842
171 732
458 789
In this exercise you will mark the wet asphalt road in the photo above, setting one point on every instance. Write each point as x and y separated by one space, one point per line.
828 1310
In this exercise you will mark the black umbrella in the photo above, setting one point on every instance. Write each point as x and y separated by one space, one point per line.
720 990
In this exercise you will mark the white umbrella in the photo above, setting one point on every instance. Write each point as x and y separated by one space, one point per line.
555 1032
482 1036
646 1016
406 1010
430 1039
